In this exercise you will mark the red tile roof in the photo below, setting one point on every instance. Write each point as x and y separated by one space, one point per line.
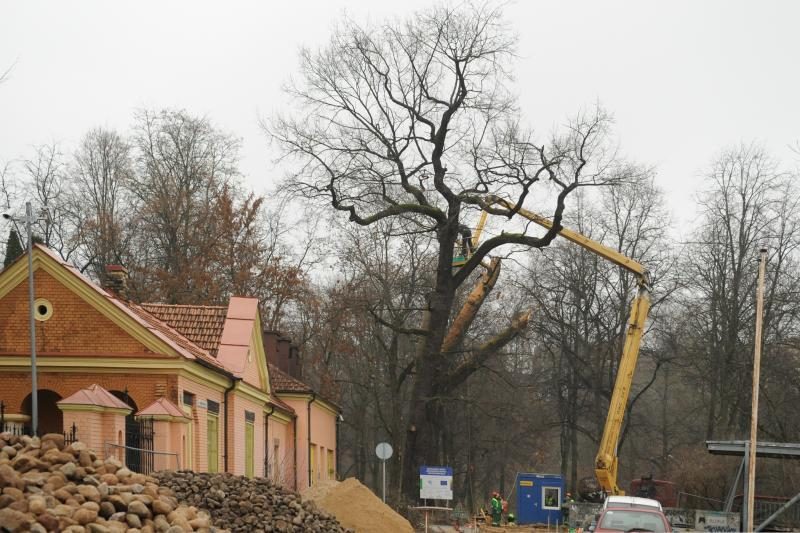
202 324
186 346
283 382
280 382
277 402
161 407
94 395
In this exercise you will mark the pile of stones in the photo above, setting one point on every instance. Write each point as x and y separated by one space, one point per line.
46 485
254 505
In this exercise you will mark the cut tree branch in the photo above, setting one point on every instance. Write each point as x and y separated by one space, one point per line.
470 309
484 352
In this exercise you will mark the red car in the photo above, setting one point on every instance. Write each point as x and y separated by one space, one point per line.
630 520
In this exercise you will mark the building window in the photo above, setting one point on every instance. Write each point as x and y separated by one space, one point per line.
331 465
249 446
551 498
42 309
249 418
313 465
213 441
213 407
188 398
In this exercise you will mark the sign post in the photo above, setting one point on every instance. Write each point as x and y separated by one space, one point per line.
384 452
435 483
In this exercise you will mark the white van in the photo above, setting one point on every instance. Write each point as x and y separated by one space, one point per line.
631 502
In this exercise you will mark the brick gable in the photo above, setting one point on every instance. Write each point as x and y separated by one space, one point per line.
75 328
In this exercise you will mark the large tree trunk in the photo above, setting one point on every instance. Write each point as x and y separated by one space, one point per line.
422 438
435 373
422 435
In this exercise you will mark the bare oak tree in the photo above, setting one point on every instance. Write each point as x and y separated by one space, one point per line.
415 120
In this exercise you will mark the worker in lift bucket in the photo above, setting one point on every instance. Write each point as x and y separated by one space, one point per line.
466 241
497 508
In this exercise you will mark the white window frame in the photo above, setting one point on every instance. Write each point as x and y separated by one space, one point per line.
557 507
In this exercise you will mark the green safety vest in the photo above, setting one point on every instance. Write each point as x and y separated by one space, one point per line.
497 507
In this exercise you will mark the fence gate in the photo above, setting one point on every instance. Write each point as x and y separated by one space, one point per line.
139 445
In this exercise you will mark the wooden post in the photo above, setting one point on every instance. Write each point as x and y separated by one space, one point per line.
751 467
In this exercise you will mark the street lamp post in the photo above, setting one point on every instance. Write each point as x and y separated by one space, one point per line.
29 219
32 323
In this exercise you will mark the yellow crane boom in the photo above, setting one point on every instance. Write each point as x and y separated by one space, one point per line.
606 461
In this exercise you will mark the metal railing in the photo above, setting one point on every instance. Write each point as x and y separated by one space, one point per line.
149 461
71 435
764 507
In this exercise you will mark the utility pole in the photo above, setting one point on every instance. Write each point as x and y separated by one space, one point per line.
34 384
751 467
29 219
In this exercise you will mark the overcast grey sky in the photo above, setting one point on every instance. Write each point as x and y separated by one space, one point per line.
683 79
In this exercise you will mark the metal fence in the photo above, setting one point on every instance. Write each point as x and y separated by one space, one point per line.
139 456
71 435
148 461
765 506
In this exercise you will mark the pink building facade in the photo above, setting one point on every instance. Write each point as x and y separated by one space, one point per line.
197 378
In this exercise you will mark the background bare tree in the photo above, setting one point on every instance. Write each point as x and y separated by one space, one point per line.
749 203
183 167
101 174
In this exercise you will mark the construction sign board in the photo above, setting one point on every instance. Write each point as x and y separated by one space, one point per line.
436 483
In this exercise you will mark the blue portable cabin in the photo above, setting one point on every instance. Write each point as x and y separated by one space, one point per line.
539 498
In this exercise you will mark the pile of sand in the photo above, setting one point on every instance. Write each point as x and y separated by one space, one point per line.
356 507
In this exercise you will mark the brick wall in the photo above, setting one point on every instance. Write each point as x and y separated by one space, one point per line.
72 329
90 427
143 389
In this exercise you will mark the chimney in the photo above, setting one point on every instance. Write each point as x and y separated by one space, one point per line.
283 353
271 347
294 362
117 281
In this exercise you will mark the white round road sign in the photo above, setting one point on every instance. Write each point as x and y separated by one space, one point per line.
383 451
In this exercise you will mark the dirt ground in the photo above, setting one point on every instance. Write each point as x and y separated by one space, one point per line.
357 507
